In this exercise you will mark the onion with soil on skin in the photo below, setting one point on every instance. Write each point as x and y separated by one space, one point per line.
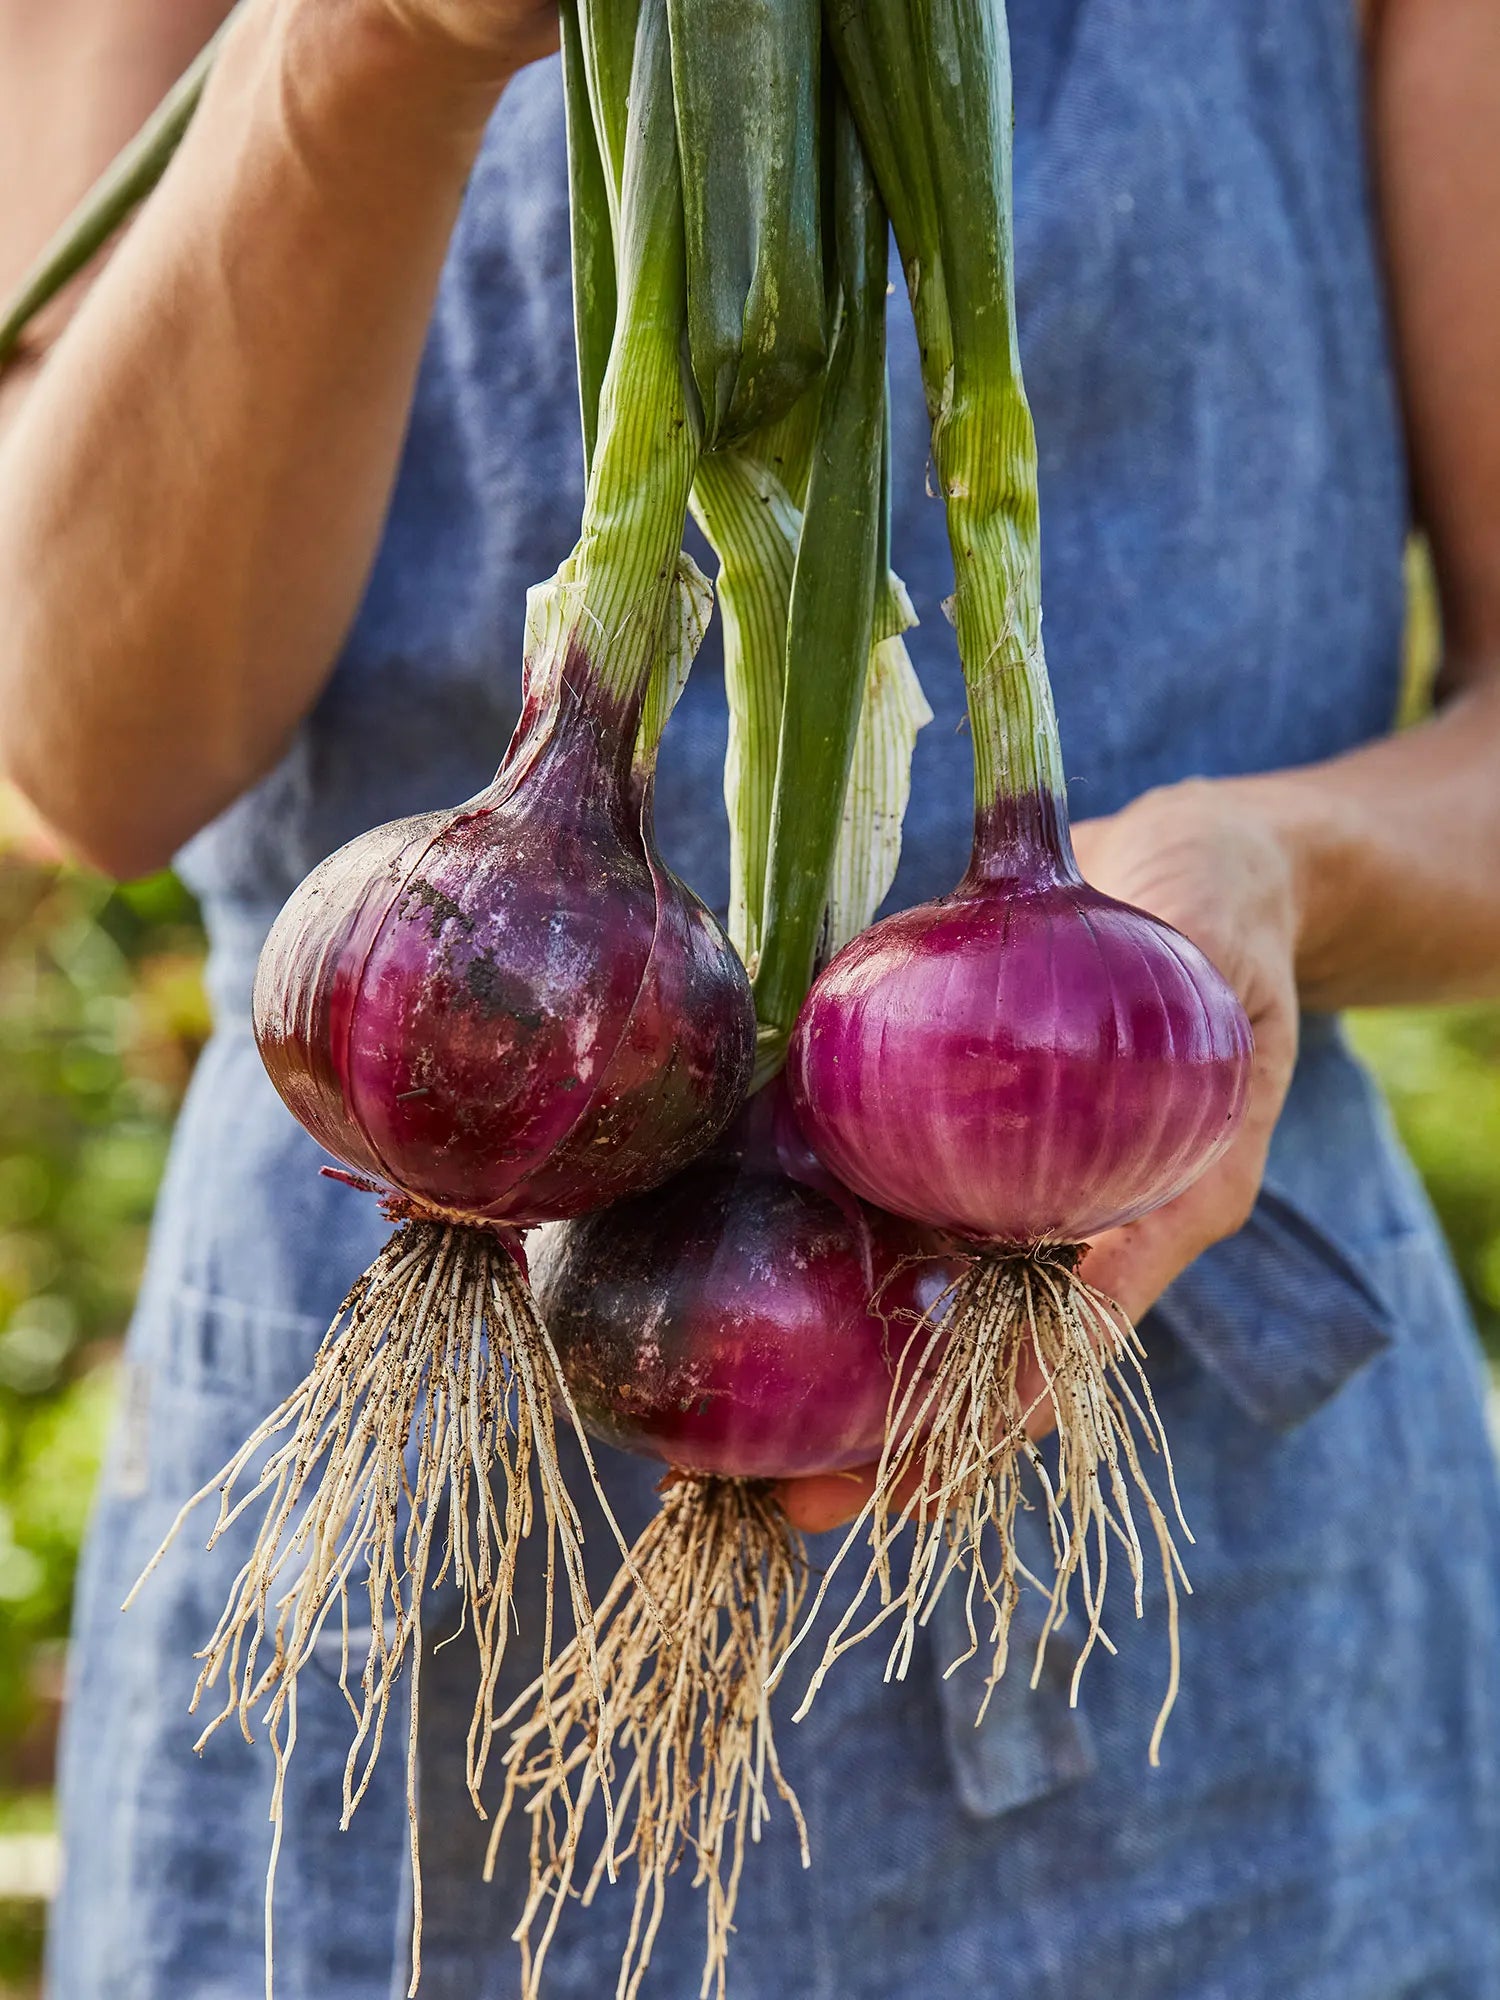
502 1014
496 1015
746 1323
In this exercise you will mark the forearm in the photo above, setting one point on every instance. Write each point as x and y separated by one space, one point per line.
77 79
1394 858
1395 850
192 492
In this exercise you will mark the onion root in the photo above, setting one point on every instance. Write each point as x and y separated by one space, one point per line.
684 1672
1018 1331
409 1454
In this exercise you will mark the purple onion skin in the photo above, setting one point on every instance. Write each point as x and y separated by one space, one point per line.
724 1322
1025 1061
511 1011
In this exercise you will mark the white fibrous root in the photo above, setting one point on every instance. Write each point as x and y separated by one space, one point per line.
412 1453
683 1672
1016 1333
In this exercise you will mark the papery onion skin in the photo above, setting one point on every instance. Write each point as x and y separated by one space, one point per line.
1025 1061
739 1321
510 1011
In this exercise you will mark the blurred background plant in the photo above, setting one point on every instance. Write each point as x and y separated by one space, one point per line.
1441 1066
102 1013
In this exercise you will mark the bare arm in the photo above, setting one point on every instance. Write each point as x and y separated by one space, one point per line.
194 481
77 79
1396 849
1374 878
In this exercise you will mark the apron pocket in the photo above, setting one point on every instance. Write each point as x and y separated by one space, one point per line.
1279 1313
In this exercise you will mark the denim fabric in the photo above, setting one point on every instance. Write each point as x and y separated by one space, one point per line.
1223 510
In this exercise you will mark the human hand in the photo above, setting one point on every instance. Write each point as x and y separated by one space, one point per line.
1200 856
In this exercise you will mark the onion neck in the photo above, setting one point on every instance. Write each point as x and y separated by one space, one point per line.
930 82
624 568
986 461
573 744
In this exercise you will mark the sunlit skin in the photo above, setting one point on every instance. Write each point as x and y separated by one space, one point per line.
247 361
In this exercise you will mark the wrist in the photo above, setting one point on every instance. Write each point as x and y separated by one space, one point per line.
367 88
1298 816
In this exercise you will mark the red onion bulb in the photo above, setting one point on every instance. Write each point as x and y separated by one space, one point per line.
1025 1061
510 1011
747 1322
745 1319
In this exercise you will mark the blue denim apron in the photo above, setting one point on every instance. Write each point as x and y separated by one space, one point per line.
1223 510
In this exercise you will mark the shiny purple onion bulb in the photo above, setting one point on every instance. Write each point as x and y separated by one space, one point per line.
745 1319
511 1011
502 1013
1023 1062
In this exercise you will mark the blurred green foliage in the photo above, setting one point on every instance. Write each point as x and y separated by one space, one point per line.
1441 1071
101 1016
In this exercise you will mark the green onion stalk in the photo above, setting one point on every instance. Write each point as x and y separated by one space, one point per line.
746 90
